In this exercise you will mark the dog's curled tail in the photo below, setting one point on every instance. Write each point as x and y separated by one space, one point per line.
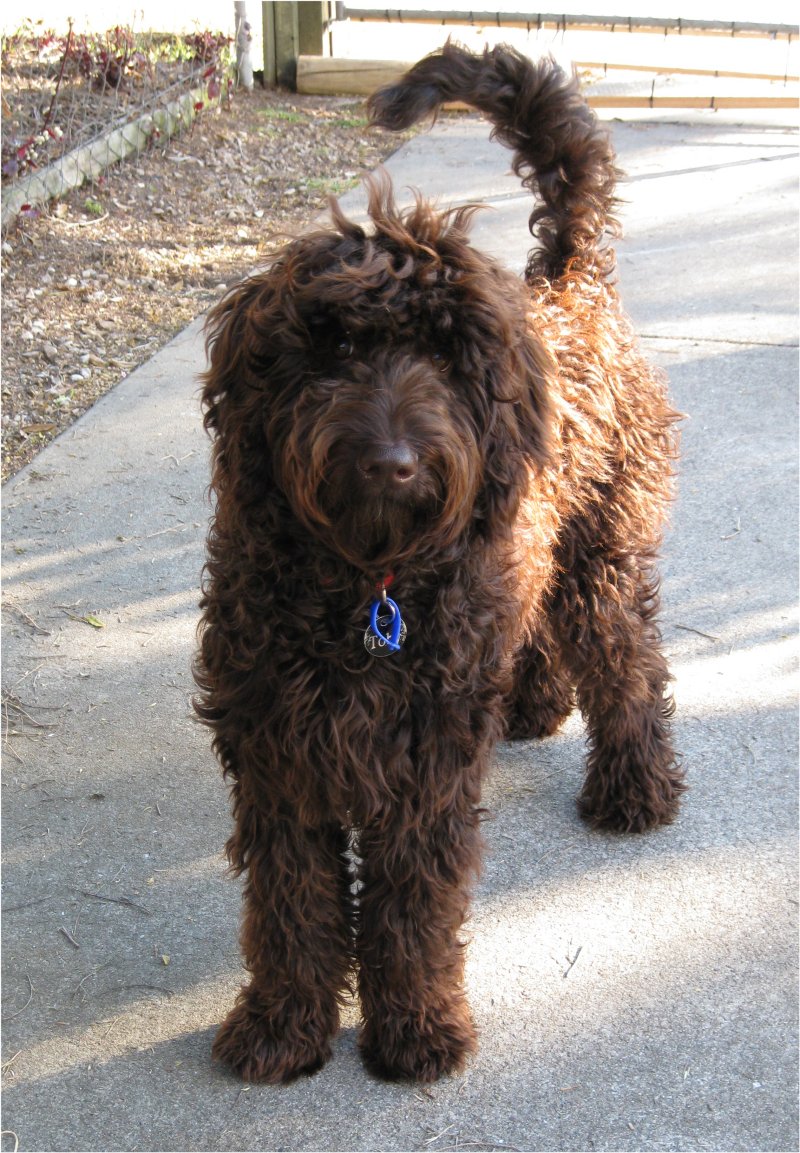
560 150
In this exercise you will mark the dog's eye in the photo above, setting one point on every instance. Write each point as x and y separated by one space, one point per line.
440 361
343 348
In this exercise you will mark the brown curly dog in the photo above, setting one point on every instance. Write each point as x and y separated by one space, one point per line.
438 499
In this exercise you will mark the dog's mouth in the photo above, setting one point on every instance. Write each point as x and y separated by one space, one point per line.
381 519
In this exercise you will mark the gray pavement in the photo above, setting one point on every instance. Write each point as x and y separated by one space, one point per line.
631 993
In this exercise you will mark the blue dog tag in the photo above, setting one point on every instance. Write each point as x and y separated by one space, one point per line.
386 632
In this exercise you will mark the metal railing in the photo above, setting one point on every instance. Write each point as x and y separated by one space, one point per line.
537 21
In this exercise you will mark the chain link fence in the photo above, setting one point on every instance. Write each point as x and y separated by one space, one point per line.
73 104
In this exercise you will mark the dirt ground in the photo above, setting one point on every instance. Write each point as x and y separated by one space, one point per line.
106 277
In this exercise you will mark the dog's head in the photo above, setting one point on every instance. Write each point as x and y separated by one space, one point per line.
385 386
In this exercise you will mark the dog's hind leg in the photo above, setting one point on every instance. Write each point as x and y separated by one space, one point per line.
542 697
606 615
297 944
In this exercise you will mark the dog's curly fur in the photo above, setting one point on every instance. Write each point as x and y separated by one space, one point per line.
392 403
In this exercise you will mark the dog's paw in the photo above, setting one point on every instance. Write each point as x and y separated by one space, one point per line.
419 1048
544 723
260 1050
536 713
632 806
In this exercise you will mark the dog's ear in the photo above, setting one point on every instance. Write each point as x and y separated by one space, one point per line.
237 386
229 339
259 334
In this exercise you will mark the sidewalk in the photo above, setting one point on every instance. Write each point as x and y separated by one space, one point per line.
631 993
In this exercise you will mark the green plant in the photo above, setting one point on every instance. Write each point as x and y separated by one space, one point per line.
286 115
331 186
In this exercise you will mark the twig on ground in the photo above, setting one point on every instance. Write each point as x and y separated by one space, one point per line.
572 961
19 1012
7 1065
124 989
12 702
431 1140
69 936
91 974
28 619
470 1143
26 904
110 1027
113 900
698 632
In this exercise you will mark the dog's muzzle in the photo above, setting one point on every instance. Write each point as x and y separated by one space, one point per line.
388 469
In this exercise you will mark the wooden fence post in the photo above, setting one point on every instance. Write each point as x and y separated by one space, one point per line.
292 28
314 21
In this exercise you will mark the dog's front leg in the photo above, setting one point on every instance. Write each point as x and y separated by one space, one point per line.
416 868
297 945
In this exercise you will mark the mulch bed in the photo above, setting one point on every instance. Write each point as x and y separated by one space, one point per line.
104 277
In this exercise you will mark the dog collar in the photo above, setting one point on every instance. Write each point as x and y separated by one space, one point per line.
386 632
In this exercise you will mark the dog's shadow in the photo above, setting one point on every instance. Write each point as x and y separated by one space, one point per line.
532 830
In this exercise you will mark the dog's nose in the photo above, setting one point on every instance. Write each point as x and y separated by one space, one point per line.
389 465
